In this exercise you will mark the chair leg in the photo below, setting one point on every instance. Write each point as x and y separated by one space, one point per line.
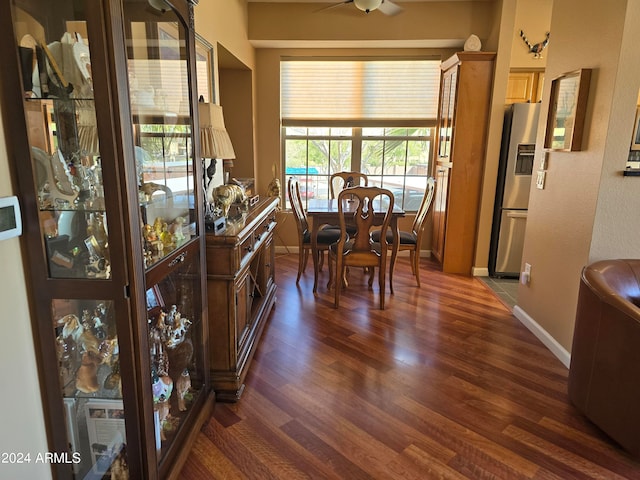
306 258
412 260
416 267
337 284
381 286
302 255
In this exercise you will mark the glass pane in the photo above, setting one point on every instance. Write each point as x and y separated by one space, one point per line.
296 154
341 132
413 193
319 131
372 132
396 185
175 341
340 151
394 157
65 150
374 181
318 154
160 103
417 157
295 131
89 373
372 154
396 132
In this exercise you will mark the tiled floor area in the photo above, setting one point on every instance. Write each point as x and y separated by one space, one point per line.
505 288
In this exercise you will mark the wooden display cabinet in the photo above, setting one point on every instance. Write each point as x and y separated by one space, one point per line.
241 284
465 101
98 99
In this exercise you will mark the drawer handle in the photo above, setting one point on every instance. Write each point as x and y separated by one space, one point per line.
179 259
258 237
267 227
249 248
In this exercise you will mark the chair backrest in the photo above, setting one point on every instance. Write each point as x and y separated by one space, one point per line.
425 205
341 180
293 188
361 203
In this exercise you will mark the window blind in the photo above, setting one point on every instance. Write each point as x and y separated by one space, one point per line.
359 89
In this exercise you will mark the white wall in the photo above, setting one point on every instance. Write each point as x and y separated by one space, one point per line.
21 414
587 210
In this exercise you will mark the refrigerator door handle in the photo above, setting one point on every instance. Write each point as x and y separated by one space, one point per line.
513 214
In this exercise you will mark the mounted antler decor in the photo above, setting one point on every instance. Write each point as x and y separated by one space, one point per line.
538 47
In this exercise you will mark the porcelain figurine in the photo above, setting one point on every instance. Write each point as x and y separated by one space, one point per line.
183 385
87 374
226 195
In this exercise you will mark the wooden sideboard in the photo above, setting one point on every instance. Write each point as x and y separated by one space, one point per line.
242 290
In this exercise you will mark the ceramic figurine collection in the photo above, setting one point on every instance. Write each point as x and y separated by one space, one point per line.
84 345
171 351
161 237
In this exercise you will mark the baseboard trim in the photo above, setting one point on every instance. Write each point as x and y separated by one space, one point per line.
480 271
558 350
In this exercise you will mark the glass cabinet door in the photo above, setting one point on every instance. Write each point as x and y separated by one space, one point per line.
91 384
158 69
78 331
60 112
175 345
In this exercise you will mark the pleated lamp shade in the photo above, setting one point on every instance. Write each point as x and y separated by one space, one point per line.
214 139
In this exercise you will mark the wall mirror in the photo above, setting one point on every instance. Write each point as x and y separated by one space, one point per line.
567 110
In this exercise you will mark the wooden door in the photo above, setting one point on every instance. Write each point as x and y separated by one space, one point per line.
440 211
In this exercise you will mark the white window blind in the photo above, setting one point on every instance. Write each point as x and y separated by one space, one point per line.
359 89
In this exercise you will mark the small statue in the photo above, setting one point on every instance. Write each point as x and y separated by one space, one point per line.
87 374
226 195
162 406
183 385
273 190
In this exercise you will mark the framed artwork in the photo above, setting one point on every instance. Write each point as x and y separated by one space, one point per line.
154 298
204 69
567 111
635 140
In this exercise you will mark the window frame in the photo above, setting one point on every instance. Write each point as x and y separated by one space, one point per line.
356 139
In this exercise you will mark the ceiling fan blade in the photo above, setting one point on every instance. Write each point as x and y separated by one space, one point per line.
389 8
339 4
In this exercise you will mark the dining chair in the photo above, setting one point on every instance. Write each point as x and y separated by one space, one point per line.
411 240
326 236
360 251
341 180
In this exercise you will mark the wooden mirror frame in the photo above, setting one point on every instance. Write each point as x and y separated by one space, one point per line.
567 111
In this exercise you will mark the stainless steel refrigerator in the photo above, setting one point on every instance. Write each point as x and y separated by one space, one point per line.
512 192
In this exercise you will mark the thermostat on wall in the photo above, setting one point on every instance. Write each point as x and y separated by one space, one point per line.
10 219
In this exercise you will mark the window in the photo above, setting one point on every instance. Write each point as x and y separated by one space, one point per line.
373 116
396 158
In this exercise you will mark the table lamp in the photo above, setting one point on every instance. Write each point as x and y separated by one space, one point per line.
214 139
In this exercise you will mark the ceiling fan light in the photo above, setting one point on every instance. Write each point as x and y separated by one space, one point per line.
367 5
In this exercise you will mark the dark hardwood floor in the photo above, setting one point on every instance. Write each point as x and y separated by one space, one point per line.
444 383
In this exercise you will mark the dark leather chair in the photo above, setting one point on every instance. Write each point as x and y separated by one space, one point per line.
604 377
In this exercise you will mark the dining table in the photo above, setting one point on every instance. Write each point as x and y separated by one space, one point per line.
324 211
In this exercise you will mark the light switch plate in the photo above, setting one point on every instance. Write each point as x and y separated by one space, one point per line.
540 179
